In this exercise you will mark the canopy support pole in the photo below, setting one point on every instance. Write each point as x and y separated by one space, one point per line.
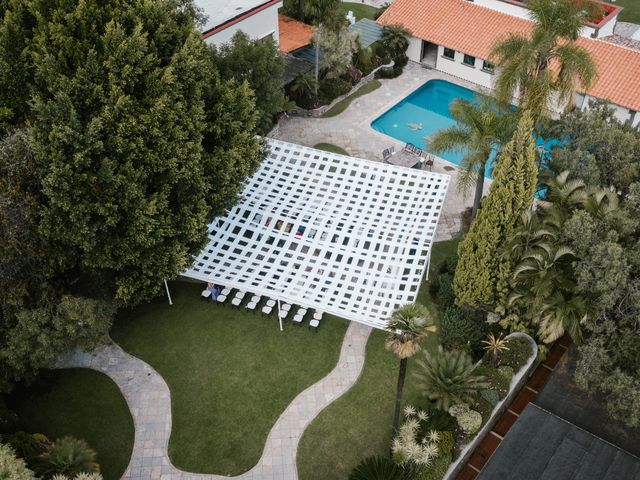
166 286
279 316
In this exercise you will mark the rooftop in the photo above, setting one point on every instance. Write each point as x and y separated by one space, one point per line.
345 236
219 12
293 34
542 446
473 29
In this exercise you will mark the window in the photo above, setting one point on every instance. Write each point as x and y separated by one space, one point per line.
449 53
469 60
488 67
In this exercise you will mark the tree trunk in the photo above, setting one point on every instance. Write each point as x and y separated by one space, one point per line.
317 58
301 7
479 190
396 415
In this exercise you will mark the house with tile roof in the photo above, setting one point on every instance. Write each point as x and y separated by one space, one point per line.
257 18
456 36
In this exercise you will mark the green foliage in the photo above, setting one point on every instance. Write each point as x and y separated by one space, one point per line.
408 327
379 468
395 39
462 328
443 291
12 468
79 476
259 63
449 378
525 60
481 128
491 396
437 469
470 421
40 334
506 371
482 274
68 456
494 379
338 48
28 446
439 420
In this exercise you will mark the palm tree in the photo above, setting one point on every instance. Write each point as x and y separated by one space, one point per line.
304 86
321 12
395 39
408 327
563 196
548 62
381 468
481 128
448 378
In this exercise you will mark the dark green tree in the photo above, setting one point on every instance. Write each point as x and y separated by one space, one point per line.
482 274
259 63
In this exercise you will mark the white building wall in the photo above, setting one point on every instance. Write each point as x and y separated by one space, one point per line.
621 113
608 28
458 69
256 26
415 49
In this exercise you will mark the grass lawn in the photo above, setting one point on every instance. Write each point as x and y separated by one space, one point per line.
230 371
631 12
341 106
330 147
360 10
358 424
85 404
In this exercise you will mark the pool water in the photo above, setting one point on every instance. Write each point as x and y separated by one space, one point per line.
424 112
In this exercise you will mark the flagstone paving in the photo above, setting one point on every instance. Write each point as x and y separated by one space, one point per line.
149 400
352 131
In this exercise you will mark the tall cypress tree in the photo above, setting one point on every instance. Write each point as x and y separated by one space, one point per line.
482 273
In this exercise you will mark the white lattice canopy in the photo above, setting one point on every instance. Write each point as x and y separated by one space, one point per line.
342 235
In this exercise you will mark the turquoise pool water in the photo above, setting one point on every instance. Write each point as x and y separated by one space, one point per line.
422 113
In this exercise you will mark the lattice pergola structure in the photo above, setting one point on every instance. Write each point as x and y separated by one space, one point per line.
345 236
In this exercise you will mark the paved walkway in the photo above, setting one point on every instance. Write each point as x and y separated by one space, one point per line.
352 131
149 400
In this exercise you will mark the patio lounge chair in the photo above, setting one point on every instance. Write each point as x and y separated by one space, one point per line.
387 153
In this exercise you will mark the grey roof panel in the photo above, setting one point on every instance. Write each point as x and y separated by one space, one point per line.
369 30
541 446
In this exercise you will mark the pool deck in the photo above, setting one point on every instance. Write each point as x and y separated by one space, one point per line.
352 131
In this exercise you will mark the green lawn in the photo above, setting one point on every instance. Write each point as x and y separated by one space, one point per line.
358 424
231 373
330 147
631 12
359 10
85 404
342 105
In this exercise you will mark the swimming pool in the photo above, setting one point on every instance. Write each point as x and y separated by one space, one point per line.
422 113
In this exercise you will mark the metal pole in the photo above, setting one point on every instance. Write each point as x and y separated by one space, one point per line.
166 286
279 316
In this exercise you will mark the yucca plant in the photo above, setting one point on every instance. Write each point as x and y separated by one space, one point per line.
448 378
495 346
68 456
408 327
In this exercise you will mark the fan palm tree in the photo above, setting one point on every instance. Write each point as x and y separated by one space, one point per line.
395 39
448 378
408 327
321 11
481 128
548 63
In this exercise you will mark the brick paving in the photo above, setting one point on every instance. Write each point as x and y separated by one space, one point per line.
352 131
149 400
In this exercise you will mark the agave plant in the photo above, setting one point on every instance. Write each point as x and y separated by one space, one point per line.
495 346
448 378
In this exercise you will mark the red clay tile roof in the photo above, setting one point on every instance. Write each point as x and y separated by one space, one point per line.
293 34
473 29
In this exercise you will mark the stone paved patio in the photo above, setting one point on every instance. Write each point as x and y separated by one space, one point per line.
149 400
352 131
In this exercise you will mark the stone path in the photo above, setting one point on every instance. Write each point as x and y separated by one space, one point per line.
352 131
149 400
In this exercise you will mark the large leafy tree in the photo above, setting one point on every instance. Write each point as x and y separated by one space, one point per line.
482 275
408 327
323 13
547 65
481 128
124 149
260 64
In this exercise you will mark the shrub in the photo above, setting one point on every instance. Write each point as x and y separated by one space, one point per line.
332 89
80 476
491 396
411 445
469 421
444 296
8 418
11 467
29 447
496 380
449 377
69 456
506 371
462 328
437 469
518 353
440 420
